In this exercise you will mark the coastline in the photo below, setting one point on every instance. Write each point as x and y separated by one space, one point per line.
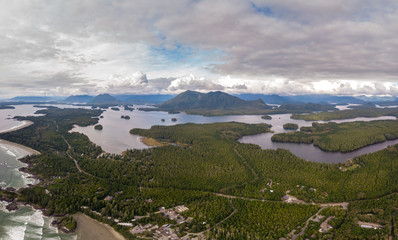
87 228
91 229
27 150
25 124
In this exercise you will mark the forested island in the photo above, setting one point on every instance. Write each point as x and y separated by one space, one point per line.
220 103
290 126
342 137
347 114
211 185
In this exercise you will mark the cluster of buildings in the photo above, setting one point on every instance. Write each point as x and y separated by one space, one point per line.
167 231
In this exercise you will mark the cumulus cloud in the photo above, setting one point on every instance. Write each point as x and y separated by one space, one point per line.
126 81
190 82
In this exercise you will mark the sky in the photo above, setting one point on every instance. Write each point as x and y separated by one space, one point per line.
58 47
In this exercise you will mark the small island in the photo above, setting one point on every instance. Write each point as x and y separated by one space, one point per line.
290 126
98 127
163 120
115 109
125 117
266 117
174 119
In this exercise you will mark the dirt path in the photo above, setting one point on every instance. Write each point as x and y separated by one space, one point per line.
200 234
301 233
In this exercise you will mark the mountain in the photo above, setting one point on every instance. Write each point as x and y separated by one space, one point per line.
376 98
104 99
78 99
34 99
271 98
324 98
191 100
144 99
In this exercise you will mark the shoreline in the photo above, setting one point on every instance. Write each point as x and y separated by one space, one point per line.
91 229
25 124
87 227
27 150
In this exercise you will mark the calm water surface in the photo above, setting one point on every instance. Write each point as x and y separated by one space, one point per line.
115 137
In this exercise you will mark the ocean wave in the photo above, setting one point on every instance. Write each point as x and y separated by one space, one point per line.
34 229
15 230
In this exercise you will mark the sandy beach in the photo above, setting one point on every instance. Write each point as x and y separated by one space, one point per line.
87 228
24 125
90 229
27 150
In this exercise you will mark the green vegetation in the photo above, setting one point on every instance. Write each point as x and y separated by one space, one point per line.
67 222
174 119
203 168
347 114
262 220
266 117
98 127
342 137
382 213
290 126
332 216
191 100
6 107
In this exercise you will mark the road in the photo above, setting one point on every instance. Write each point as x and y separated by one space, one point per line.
68 152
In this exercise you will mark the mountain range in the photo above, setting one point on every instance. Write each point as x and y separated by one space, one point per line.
191 100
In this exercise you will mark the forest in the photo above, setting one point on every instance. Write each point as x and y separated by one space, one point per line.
232 190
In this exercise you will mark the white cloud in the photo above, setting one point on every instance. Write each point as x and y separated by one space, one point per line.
126 81
190 82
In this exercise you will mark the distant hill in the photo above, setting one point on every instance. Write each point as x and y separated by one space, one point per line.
104 99
376 98
78 99
324 98
34 99
144 99
364 106
271 98
191 100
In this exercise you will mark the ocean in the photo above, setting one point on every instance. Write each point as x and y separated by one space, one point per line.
25 223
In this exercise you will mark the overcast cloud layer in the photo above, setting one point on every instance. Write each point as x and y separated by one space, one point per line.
63 47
